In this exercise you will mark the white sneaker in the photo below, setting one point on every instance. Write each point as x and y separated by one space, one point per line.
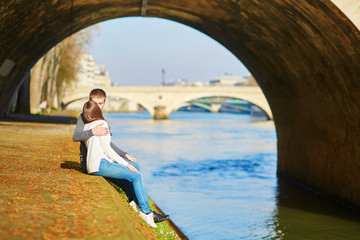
134 206
148 218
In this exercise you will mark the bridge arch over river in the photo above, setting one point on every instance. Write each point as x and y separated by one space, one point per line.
160 101
304 55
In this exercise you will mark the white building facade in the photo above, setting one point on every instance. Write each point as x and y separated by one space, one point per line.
91 73
231 80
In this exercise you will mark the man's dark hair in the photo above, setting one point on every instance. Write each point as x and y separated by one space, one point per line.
97 93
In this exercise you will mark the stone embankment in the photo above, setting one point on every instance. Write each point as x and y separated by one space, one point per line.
44 194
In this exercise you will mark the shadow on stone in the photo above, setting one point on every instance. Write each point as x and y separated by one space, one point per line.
39 118
71 165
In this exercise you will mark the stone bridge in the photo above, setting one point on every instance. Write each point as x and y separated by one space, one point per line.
160 101
303 53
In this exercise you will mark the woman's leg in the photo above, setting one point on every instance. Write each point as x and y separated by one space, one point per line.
125 185
135 164
118 171
131 188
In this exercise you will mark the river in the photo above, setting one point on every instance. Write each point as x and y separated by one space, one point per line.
215 174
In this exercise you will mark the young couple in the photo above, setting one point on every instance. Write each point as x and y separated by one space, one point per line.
102 158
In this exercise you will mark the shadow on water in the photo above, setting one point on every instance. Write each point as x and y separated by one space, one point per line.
302 214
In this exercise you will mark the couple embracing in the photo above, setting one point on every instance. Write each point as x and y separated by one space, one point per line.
100 157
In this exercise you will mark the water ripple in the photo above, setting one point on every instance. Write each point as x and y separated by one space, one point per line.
210 167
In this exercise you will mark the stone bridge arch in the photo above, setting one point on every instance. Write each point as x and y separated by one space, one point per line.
141 102
258 102
75 100
304 55
160 101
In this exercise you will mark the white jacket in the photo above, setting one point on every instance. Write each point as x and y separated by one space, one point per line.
98 147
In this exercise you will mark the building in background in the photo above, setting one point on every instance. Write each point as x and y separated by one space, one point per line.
176 82
182 82
91 73
231 80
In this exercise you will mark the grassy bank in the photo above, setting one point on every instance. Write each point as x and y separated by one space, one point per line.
44 194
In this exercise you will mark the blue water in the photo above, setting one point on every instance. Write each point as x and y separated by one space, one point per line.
215 174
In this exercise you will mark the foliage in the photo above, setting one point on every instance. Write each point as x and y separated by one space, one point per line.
71 49
70 53
57 69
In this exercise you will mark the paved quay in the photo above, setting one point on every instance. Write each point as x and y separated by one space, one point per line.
44 194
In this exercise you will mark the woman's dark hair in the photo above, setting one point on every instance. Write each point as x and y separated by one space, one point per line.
92 112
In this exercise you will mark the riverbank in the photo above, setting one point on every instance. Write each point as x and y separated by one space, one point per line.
44 194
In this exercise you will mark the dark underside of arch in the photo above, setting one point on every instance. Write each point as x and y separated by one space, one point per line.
304 55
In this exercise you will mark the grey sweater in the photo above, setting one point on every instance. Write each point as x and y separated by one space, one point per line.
81 136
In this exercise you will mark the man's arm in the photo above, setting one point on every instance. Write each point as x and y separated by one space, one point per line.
79 133
118 150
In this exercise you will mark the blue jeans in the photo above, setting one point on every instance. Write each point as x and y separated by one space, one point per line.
118 171
125 185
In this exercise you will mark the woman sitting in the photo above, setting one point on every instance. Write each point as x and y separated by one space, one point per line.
102 160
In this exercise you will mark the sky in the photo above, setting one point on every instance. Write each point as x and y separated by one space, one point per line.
136 49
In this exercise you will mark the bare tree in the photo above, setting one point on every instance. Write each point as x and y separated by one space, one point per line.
70 53
43 75
56 69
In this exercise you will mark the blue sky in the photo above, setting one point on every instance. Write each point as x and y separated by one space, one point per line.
136 49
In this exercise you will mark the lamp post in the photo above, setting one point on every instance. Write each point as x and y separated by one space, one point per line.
163 77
